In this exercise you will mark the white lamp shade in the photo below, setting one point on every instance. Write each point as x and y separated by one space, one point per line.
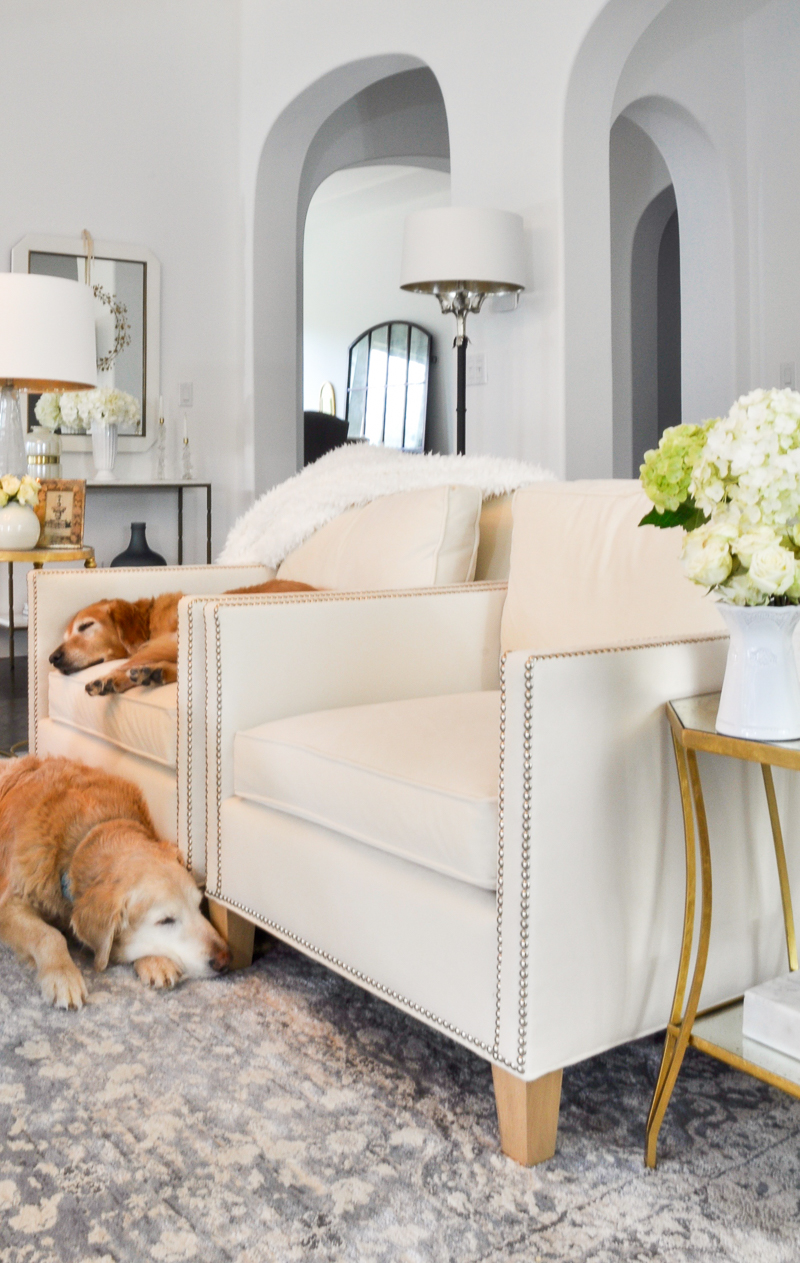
47 333
463 247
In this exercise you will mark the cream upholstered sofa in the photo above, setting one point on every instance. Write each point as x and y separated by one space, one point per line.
463 798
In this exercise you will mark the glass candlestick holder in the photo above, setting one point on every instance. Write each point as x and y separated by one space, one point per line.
187 473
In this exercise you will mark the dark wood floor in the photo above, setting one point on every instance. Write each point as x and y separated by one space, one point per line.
13 703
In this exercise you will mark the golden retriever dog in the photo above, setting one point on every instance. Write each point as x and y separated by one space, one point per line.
145 632
78 850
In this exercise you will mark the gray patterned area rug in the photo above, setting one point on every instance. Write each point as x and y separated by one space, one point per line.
282 1114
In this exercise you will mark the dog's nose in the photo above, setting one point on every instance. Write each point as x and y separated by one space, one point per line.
220 960
57 656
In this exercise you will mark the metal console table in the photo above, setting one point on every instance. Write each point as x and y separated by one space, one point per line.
165 485
717 1032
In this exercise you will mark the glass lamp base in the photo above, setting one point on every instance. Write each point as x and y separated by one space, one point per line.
13 459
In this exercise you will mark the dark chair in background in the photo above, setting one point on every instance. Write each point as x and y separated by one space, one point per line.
321 433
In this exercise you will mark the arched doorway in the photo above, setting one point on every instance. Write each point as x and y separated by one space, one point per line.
379 109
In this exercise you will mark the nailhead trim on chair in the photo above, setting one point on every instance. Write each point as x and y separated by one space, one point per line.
358 976
501 790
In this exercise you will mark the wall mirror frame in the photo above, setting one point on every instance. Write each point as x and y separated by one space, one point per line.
145 321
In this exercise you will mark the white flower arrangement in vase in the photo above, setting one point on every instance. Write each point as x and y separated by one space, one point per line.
99 412
733 484
19 525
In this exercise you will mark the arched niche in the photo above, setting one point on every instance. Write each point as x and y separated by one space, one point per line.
381 109
624 48
645 258
707 256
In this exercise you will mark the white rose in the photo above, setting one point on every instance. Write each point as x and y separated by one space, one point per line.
706 556
10 484
752 541
773 569
29 491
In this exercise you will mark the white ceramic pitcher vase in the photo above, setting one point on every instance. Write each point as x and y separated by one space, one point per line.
761 691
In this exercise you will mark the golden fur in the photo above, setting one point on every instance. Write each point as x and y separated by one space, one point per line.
145 632
78 849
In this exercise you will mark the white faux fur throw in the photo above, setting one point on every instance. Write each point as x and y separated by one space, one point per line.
355 474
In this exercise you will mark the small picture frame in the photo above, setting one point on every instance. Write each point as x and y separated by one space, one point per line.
60 512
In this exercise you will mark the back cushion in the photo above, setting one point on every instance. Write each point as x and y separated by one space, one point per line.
411 539
584 574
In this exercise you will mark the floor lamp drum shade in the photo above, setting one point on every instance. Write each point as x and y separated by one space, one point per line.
463 247
461 254
47 333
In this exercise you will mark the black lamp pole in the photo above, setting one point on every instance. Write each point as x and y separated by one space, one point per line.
461 395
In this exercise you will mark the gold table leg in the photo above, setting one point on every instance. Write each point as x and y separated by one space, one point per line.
780 859
680 1028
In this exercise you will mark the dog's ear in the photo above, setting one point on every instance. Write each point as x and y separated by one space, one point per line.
131 622
97 918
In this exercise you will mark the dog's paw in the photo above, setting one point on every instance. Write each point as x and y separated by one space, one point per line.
147 675
64 988
157 971
95 688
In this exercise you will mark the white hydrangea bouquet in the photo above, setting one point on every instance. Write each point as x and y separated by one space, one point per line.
77 410
24 490
733 484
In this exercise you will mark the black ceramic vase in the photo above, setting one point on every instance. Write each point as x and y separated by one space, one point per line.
138 552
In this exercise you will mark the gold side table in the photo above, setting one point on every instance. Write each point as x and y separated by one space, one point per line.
37 557
717 1032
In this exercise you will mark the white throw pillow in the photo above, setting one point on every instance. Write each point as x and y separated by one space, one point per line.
410 539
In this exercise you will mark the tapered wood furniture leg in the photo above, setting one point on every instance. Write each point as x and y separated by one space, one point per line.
528 1115
237 932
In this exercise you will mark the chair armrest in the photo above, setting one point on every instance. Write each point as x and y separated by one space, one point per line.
591 852
272 656
55 596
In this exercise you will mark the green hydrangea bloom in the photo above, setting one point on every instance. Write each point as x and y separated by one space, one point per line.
667 471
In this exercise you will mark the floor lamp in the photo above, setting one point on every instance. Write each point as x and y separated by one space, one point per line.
47 342
461 254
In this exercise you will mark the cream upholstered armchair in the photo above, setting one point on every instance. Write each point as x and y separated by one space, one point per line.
438 536
461 797
465 800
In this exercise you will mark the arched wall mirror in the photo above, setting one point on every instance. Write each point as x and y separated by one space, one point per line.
387 385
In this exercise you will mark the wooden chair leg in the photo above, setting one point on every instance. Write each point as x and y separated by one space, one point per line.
237 932
528 1115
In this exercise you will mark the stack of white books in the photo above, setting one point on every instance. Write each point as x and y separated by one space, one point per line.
772 1014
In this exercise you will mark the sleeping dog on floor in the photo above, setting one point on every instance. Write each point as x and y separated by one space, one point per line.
78 850
145 632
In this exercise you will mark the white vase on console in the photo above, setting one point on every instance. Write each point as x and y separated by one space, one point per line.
104 450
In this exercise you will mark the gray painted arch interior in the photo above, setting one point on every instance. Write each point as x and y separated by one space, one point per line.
381 109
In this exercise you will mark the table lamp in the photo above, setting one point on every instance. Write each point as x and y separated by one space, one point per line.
47 342
461 254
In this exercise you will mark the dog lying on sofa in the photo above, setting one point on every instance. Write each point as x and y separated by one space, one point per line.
145 632
78 849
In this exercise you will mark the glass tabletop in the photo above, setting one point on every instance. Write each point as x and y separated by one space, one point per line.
699 715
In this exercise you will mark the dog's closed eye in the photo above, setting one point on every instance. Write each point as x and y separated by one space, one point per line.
166 921
85 626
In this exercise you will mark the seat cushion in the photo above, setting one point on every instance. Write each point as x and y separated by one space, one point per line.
413 778
411 539
143 721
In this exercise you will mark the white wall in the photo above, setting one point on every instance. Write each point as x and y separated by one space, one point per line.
638 174
351 274
145 121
